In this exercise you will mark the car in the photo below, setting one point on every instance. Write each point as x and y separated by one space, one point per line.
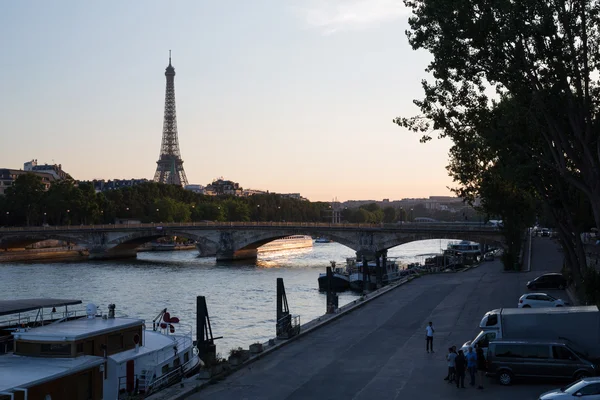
588 388
489 256
537 300
545 232
548 281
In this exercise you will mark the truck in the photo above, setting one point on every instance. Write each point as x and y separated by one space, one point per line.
580 326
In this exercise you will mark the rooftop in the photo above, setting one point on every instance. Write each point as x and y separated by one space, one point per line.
77 329
18 371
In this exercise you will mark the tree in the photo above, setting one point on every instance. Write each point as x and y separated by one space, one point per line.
389 214
24 198
544 54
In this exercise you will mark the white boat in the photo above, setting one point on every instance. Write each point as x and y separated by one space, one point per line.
92 356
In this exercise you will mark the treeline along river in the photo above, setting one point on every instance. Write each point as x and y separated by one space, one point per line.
241 297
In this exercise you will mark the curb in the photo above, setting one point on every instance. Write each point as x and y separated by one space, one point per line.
320 322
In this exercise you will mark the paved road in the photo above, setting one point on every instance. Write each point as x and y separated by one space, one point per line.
379 349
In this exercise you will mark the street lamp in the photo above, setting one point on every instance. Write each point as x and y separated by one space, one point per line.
401 215
68 217
44 218
257 212
411 215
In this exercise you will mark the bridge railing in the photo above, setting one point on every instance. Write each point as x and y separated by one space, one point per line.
417 226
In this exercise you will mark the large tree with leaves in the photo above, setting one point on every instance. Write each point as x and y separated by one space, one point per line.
545 54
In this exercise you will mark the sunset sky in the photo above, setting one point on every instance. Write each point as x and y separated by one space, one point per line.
279 95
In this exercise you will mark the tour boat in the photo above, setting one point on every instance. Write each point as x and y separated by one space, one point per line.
323 240
92 356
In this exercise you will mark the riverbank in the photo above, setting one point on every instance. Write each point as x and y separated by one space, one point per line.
43 254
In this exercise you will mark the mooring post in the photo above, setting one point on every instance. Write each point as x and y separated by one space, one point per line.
284 319
332 298
378 272
207 351
365 272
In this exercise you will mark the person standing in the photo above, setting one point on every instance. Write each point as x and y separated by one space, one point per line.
460 365
429 337
481 366
472 364
450 357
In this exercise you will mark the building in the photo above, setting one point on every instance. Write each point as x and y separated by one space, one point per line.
221 187
8 176
54 169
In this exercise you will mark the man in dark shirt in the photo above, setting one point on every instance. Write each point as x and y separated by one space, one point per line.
460 363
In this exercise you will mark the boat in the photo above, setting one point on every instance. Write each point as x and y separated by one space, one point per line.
323 240
390 273
340 279
287 243
90 355
464 252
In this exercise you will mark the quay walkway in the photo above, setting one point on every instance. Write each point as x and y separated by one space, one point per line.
378 350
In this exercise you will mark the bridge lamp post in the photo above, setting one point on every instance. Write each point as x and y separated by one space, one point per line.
68 217
157 214
7 216
401 215
257 212
44 218
279 213
412 217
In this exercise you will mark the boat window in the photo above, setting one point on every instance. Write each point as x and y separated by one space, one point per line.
176 362
79 347
57 349
186 357
165 368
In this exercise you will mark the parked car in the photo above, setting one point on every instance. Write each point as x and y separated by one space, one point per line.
588 388
540 300
548 281
555 359
489 256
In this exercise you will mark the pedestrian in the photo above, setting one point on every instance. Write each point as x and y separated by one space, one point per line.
471 364
481 366
460 365
429 337
450 357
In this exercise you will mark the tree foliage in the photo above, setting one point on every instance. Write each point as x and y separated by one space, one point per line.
513 87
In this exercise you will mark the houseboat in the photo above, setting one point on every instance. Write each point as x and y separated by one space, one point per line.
340 279
91 356
390 272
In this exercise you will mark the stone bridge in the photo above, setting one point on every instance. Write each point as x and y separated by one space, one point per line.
240 240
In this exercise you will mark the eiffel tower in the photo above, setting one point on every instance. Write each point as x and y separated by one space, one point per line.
169 168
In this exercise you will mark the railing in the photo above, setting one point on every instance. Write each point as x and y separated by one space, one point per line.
416 226
123 386
181 340
169 378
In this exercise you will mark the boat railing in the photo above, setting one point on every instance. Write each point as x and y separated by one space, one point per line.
122 389
182 339
171 377
15 322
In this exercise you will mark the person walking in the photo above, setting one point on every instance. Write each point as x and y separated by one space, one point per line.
460 365
450 357
481 366
429 337
471 364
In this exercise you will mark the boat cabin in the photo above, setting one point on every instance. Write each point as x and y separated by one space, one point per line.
61 358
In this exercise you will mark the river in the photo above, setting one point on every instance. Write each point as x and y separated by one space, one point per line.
241 297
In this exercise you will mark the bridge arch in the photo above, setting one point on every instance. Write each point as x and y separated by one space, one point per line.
392 242
259 238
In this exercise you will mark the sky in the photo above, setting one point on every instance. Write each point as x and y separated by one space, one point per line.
290 96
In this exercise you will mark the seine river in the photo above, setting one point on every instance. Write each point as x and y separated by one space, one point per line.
241 297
